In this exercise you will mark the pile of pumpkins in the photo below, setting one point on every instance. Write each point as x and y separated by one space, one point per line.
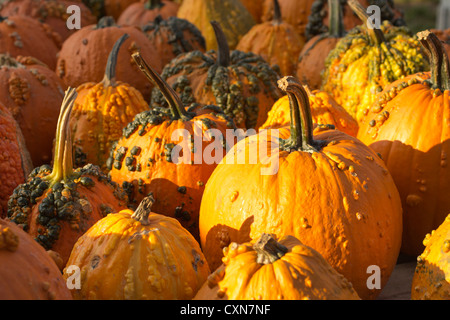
341 165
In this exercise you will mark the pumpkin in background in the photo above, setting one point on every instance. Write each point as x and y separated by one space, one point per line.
311 60
290 269
138 255
101 111
241 84
276 41
25 36
173 36
325 188
51 12
255 8
431 280
15 160
232 16
368 59
409 126
145 11
112 8
84 55
143 159
33 93
324 111
27 272
58 204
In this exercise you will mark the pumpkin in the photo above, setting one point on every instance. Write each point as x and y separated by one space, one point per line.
27 272
15 159
276 41
255 8
368 59
241 84
324 111
58 204
431 276
311 60
323 187
33 93
112 8
51 12
145 11
144 159
231 15
409 126
25 36
84 55
100 113
138 255
292 271
173 36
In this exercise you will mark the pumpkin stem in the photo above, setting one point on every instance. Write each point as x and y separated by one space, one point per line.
109 80
268 249
223 50
277 12
153 4
375 34
62 159
105 22
335 23
143 210
301 138
175 104
439 62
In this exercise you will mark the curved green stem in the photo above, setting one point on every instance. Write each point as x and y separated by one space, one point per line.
335 19
301 138
110 72
375 34
143 210
175 104
439 62
223 49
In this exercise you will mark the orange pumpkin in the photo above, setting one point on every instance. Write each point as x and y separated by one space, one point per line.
290 269
101 111
27 272
325 187
144 159
324 111
409 126
145 11
432 273
276 41
15 162
33 93
138 255
108 8
58 204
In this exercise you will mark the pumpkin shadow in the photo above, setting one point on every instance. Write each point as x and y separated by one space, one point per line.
220 236
422 179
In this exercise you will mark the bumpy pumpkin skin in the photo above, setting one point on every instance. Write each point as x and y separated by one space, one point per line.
431 280
51 12
83 56
355 70
341 195
232 15
25 36
15 164
27 272
122 258
33 93
301 273
145 11
173 36
324 110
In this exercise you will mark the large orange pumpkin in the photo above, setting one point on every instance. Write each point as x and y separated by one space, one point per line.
326 188
409 125
290 269
27 272
58 204
138 255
